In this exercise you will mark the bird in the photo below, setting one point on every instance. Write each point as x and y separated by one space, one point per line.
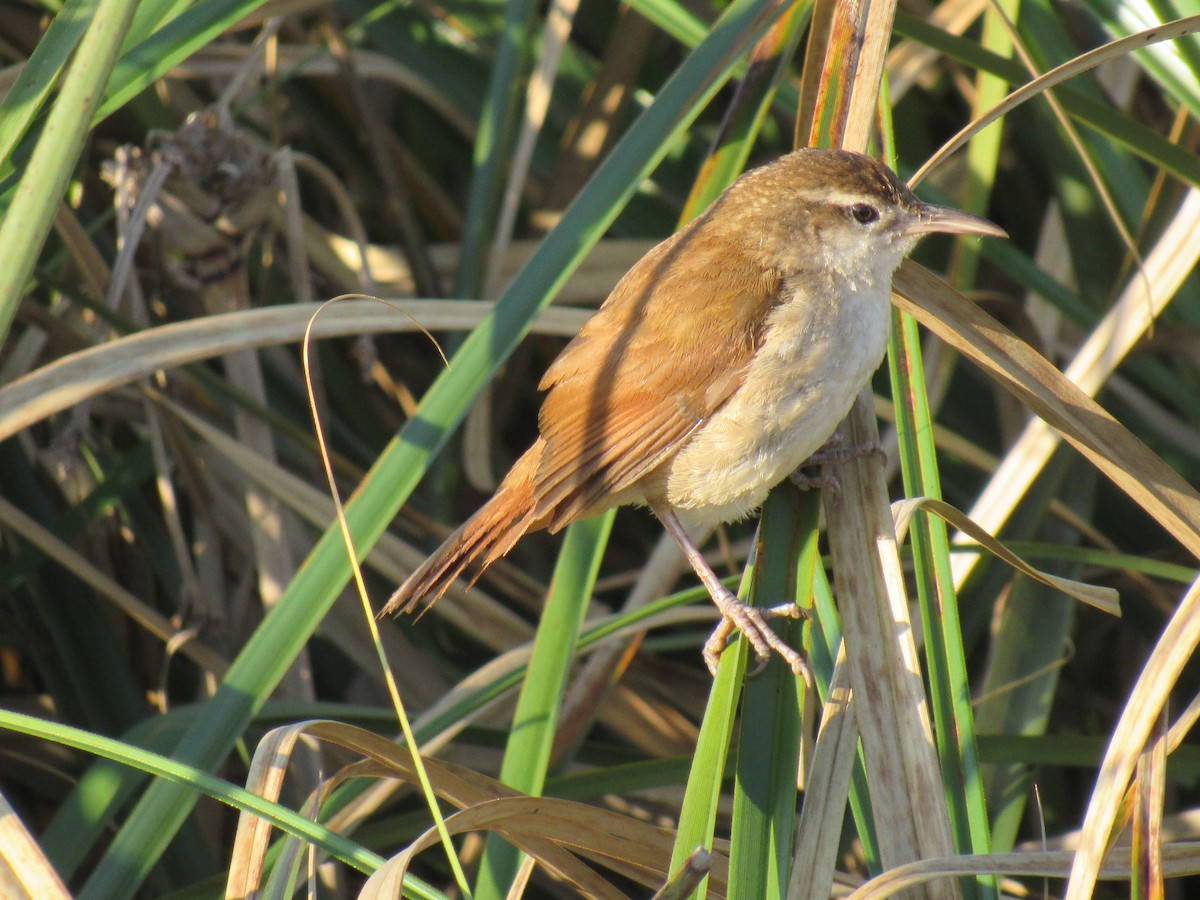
722 360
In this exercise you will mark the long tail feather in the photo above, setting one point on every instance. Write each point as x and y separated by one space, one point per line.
480 541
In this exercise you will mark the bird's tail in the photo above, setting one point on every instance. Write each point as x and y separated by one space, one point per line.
479 542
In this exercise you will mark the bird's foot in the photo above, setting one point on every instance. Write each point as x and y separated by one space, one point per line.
833 453
752 621
735 615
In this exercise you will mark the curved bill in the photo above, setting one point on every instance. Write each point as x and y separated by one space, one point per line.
947 220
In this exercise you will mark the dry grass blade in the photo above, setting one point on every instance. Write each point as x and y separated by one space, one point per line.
1144 298
1069 69
89 373
1178 860
1147 701
819 831
847 49
688 876
555 831
627 711
1104 599
25 873
267 771
127 602
1149 793
1025 373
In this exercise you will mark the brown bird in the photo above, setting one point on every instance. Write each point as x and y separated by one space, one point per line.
722 361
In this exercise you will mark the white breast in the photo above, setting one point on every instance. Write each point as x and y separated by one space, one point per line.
818 354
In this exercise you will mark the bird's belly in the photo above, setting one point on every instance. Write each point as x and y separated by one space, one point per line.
802 384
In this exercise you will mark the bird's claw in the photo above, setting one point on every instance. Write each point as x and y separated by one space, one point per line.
826 481
752 621
831 453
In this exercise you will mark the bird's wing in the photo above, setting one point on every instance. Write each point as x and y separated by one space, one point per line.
669 346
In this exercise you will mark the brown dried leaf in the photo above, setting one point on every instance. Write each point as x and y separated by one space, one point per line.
1026 374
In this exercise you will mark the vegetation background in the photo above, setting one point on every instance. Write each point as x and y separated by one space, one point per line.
182 182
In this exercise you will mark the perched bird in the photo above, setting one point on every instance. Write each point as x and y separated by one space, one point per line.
720 362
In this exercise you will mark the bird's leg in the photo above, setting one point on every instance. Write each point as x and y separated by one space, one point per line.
833 453
735 614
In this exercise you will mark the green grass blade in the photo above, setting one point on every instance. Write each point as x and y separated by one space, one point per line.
768 749
527 755
498 123
673 18
194 781
698 816
45 177
170 45
950 693
1175 66
29 93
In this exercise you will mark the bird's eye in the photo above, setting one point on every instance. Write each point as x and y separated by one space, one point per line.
864 213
